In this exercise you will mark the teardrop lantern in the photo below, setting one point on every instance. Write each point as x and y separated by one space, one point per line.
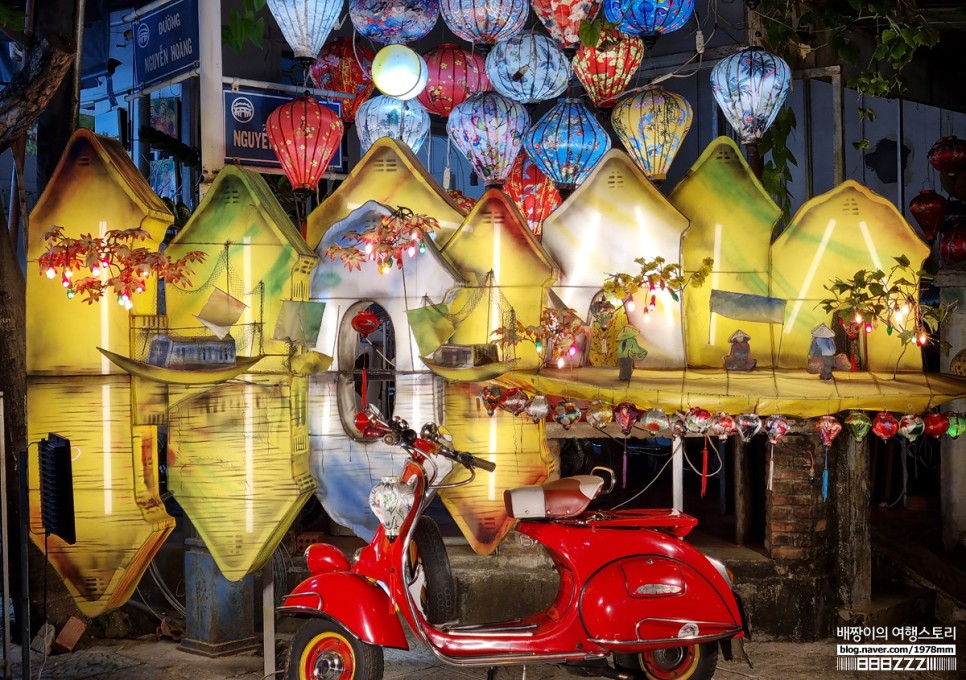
697 420
929 210
305 23
626 415
342 67
566 143
304 135
859 424
528 68
606 70
911 427
566 413
957 425
649 19
776 427
532 191
651 126
382 116
952 245
948 155
490 397
722 426
599 414
399 21
514 401
538 408
454 75
562 18
885 425
935 424
828 428
488 128
484 22
749 424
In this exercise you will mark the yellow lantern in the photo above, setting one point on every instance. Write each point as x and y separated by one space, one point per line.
399 72
651 125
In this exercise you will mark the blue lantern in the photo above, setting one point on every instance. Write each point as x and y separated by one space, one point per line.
566 143
483 22
649 19
750 86
528 68
488 128
395 22
382 116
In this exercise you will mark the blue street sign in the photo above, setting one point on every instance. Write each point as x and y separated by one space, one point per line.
166 43
246 141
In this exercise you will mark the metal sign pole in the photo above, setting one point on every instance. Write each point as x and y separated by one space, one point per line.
5 541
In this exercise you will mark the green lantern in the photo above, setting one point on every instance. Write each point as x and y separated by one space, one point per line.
859 424
957 425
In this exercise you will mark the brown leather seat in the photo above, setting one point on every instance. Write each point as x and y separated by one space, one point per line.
565 497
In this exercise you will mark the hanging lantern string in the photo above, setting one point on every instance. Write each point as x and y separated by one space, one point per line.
646 487
717 455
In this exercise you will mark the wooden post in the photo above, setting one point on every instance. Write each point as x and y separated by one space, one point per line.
852 497
742 492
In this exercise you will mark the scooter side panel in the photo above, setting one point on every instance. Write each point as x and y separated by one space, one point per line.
352 601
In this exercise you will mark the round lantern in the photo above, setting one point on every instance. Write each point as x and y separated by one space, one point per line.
305 23
484 22
651 126
532 191
488 128
935 424
952 245
528 68
929 210
605 70
304 135
885 425
948 155
404 120
342 67
649 19
750 86
394 22
399 72
566 143
365 323
454 75
562 18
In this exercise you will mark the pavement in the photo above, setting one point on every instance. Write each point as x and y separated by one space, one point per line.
151 659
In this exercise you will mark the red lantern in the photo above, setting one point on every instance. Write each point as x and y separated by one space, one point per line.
948 155
562 18
365 323
952 245
605 70
454 75
532 191
936 424
929 210
304 135
342 67
462 201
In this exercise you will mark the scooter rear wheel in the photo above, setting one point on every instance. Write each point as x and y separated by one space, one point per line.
689 662
324 650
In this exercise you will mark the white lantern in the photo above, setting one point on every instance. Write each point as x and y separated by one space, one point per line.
305 23
399 72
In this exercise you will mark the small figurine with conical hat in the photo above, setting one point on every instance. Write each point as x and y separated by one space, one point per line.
822 354
629 350
740 358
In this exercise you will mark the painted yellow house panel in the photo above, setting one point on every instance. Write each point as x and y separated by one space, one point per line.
120 521
732 218
391 174
254 254
614 217
834 235
238 463
495 238
94 189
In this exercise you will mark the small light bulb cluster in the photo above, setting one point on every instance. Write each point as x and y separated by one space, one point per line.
125 301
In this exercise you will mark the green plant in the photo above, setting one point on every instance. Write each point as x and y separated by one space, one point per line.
889 299
654 274
402 231
243 26
776 173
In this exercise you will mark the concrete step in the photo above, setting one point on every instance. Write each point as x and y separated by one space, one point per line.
898 606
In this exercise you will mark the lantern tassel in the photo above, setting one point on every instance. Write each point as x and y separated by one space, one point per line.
704 468
771 466
825 478
624 475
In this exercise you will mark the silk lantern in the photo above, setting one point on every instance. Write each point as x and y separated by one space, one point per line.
678 425
304 135
566 413
828 428
342 67
948 155
749 424
399 72
538 408
488 129
528 68
514 401
929 210
382 116
722 426
935 424
484 22
957 425
491 396
454 75
651 126
885 425
750 86
911 427
305 23
394 22
649 19
532 191
655 420
562 18
626 415
599 414
859 424
606 70
566 143
697 420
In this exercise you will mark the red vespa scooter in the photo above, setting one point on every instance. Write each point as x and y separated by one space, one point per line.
630 591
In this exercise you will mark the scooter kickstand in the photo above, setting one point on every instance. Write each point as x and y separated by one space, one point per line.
491 673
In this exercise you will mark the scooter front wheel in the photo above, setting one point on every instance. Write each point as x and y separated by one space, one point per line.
689 662
324 650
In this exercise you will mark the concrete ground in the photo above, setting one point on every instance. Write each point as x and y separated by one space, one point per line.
163 660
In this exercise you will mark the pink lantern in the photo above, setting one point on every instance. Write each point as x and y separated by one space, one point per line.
342 67
304 135
454 75
532 191
562 18
488 128
626 415
828 428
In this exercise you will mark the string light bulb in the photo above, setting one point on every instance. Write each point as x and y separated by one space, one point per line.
653 304
538 346
411 251
868 328
573 349
647 316
629 305
95 270
70 293
858 317
51 272
560 362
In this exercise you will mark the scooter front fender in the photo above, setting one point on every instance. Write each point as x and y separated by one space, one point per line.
352 600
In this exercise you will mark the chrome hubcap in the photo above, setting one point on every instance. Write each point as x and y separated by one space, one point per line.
328 666
669 658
